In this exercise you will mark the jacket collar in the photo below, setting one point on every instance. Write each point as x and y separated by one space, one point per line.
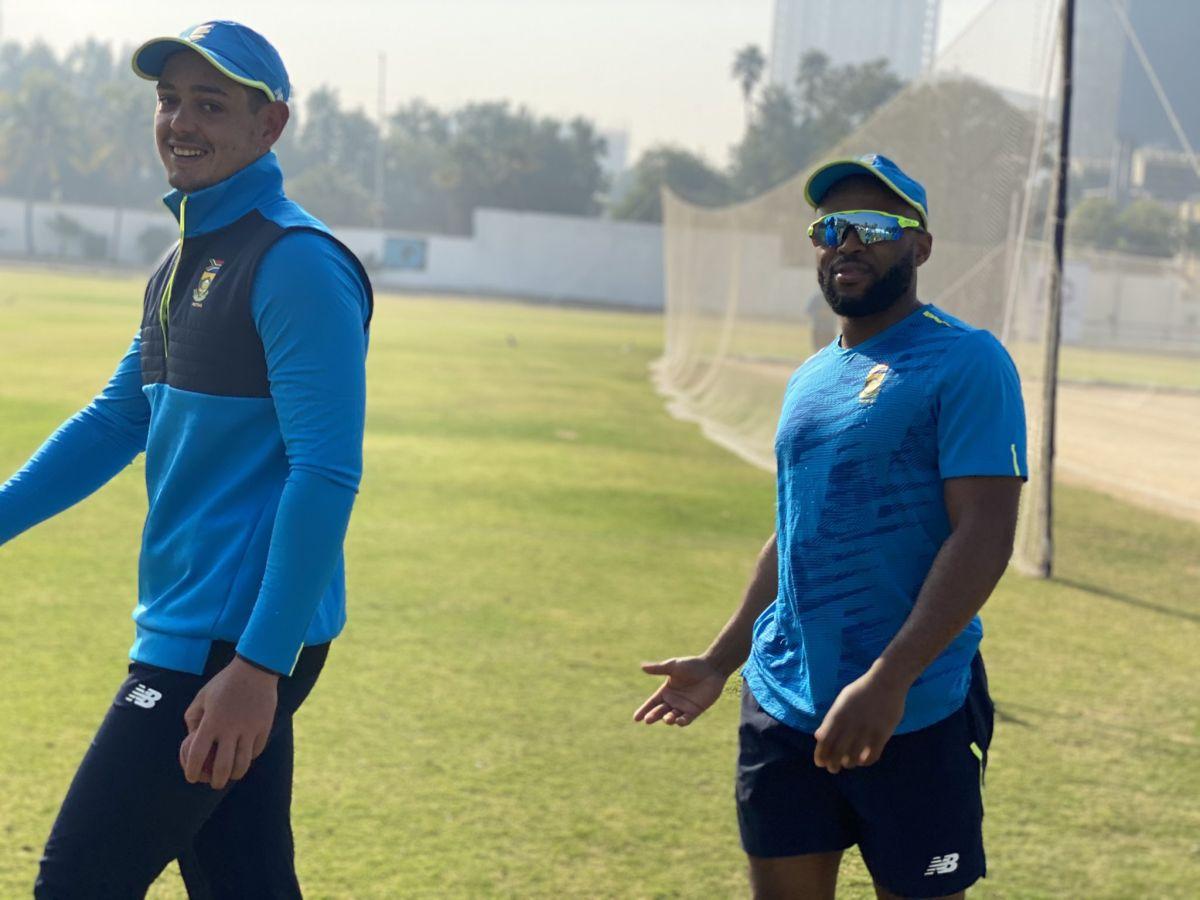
227 201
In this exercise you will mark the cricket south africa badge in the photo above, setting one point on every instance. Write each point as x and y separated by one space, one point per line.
873 383
206 280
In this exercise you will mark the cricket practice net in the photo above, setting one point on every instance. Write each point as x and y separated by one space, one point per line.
980 131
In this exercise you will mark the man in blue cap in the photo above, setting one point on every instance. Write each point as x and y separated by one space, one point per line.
245 387
900 459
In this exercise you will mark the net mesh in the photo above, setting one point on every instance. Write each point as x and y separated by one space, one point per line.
743 309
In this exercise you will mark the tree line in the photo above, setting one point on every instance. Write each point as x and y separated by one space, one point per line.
78 129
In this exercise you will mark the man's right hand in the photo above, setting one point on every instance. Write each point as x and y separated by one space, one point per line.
693 685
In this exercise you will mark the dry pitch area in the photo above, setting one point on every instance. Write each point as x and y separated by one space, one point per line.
1136 443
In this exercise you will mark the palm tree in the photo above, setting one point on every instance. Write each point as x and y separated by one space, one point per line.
747 70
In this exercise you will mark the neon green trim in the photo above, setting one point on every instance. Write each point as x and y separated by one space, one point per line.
870 171
903 221
979 756
164 305
927 314
248 82
1016 465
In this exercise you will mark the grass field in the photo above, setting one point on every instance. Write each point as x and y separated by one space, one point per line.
531 526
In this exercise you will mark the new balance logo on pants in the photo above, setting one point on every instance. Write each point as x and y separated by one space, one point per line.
143 696
942 865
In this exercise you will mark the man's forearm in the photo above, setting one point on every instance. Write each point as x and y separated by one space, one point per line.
83 454
731 647
963 575
78 459
306 546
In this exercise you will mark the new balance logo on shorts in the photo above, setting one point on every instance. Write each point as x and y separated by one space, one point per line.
145 697
942 865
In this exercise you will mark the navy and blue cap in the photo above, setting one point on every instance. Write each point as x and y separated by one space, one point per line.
234 50
893 178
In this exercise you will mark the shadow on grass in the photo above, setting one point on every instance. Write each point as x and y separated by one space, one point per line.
1003 715
1128 600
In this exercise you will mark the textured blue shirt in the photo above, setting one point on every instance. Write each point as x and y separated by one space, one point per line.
866 438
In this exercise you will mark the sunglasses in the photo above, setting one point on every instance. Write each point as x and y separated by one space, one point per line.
871 226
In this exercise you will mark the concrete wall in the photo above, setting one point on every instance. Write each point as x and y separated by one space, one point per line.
530 255
106 224
513 254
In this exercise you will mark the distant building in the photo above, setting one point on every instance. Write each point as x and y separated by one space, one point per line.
1163 175
615 165
1168 30
901 31
1099 53
1116 110
616 155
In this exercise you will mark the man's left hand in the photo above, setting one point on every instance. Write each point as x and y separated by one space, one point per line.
860 722
228 724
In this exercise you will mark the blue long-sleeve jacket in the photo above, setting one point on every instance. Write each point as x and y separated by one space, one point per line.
246 388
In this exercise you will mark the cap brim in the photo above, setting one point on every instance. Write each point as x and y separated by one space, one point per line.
828 175
150 58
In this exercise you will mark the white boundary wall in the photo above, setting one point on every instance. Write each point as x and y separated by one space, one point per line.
511 254
100 220
533 255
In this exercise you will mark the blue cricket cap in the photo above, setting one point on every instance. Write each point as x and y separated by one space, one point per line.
234 50
907 189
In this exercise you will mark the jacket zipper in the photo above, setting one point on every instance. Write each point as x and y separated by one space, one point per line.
164 306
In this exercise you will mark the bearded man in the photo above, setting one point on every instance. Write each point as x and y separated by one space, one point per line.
900 459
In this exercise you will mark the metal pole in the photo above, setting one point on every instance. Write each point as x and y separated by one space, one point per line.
381 111
1054 300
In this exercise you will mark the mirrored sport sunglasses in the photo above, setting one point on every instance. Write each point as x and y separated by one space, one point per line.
871 226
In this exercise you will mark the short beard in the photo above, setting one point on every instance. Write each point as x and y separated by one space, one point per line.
882 295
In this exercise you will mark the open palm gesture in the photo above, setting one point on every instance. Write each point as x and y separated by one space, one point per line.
692 686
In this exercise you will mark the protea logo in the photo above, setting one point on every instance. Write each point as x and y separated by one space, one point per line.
206 280
873 383
200 32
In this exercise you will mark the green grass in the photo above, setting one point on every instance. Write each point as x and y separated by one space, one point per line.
532 525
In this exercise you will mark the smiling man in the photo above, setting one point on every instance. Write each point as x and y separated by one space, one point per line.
245 387
900 458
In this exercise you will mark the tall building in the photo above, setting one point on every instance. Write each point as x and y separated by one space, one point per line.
1168 30
1116 109
616 151
901 31
1100 48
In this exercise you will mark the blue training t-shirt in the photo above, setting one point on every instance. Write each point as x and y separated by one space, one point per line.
866 437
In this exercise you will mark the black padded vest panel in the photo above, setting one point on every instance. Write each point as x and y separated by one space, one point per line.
214 347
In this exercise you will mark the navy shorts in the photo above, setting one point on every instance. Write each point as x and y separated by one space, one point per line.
916 815
129 811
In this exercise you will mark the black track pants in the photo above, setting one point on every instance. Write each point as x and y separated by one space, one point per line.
129 810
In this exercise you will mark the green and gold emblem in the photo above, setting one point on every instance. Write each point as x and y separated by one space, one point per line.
206 280
874 383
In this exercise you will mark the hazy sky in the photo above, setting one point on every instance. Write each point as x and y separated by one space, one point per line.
657 68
